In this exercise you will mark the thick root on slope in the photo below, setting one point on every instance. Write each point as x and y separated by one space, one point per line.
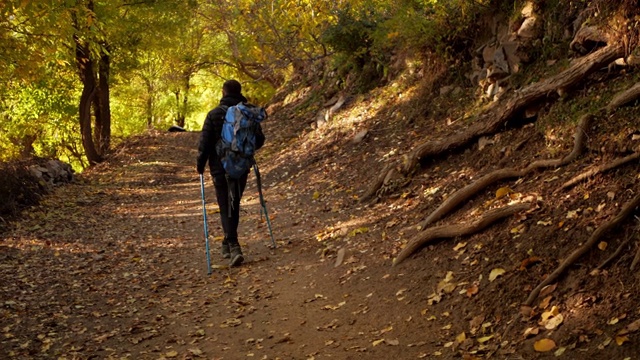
500 112
470 190
624 97
450 231
627 210
600 169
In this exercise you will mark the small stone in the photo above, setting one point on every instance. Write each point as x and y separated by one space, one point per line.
360 136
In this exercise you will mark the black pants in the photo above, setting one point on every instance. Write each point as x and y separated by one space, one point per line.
228 194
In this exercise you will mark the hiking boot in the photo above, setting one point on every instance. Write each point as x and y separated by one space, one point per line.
225 251
236 255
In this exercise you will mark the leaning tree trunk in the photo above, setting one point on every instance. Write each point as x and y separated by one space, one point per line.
89 89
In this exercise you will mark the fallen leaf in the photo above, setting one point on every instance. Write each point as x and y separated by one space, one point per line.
544 345
316 195
573 214
549 314
339 257
528 262
462 337
196 352
621 340
360 230
532 331
526 311
472 290
484 339
518 229
634 326
459 246
495 273
171 354
545 302
554 322
445 284
386 330
560 351
548 290
502 192
377 342
602 245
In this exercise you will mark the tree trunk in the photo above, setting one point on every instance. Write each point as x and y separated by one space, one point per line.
103 111
89 89
180 116
87 73
185 102
149 103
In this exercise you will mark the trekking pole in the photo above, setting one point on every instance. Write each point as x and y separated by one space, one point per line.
263 203
206 227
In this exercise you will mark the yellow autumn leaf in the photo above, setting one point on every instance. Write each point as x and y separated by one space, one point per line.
502 192
544 345
377 342
554 322
560 351
621 340
171 354
316 195
484 339
360 230
495 273
459 246
602 245
462 337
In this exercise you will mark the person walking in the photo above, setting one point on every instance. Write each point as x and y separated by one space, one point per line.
228 191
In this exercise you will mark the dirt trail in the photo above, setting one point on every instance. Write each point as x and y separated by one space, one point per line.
114 267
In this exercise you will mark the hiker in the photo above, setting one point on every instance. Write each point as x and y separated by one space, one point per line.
228 201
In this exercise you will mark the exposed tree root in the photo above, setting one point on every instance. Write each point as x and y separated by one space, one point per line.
636 259
500 112
507 173
624 97
576 254
449 231
600 169
614 255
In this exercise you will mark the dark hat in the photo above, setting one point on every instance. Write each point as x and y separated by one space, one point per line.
232 87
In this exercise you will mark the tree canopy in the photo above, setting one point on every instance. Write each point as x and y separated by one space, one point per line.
76 74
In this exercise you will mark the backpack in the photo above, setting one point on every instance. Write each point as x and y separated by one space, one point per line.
238 139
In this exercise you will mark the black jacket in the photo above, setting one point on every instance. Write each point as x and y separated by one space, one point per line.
211 131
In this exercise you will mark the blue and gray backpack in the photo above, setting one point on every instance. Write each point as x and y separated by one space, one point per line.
238 139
